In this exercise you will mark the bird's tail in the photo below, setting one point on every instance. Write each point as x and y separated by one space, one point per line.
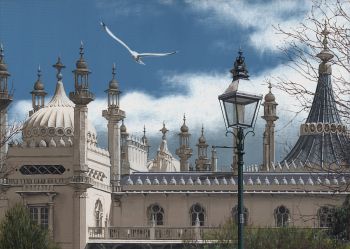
140 62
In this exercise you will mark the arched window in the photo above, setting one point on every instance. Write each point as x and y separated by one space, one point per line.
155 213
325 216
235 214
98 213
197 212
282 217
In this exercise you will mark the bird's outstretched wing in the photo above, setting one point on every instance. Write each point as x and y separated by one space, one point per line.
114 37
156 54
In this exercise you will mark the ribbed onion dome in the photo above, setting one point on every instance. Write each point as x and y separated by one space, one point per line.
202 139
55 120
113 84
38 85
184 127
270 97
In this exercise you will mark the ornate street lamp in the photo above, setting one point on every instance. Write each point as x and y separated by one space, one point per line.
240 112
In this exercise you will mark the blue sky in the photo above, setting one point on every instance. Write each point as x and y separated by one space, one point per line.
207 35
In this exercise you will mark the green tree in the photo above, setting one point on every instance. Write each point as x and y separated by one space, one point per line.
276 238
341 221
18 231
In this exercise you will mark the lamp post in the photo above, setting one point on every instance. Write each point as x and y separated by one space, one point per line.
240 111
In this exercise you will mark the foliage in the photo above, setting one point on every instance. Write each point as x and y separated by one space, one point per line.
276 238
18 231
341 221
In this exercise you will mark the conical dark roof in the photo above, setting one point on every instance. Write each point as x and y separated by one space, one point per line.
323 140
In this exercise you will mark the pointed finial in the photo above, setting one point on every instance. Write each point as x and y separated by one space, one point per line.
270 86
1 51
59 67
113 71
202 130
184 118
325 55
164 131
81 49
325 33
39 72
144 130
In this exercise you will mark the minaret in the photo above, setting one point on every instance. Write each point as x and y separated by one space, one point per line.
5 100
38 94
145 141
125 164
269 134
113 115
202 162
81 97
214 160
184 152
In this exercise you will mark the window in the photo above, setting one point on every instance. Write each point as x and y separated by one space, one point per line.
156 214
98 213
282 216
42 169
325 216
235 214
40 215
197 212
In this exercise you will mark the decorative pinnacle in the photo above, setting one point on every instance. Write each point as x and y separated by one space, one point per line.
164 131
39 72
325 33
1 51
202 130
325 55
184 118
81 49
113 71
270 86
59 67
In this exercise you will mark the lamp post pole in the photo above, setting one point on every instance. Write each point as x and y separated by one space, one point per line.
240 153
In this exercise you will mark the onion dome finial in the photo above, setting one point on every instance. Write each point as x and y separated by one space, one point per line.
113 84
38 84
184 127
59 66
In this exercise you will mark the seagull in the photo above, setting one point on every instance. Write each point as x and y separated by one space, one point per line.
135 55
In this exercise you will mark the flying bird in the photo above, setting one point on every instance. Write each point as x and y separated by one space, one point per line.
135 55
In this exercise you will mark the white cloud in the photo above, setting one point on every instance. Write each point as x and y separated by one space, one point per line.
259 17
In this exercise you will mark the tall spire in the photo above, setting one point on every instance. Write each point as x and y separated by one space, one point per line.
323 140
114 115
202 162
184 151
269 133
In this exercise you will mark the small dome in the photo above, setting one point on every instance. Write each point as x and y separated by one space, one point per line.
3 66
202 139
270 97
113 84
123 128
184 128
81 64
39 86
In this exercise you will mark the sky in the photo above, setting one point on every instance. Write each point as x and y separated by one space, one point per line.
207 35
